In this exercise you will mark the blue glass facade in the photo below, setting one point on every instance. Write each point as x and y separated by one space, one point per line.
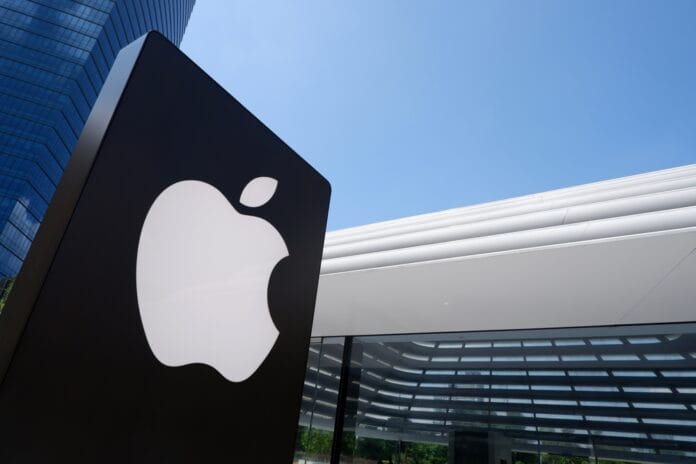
54 58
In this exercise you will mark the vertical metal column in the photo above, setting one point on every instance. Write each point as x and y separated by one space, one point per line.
337 441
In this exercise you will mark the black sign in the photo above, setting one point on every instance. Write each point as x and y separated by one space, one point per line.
164 311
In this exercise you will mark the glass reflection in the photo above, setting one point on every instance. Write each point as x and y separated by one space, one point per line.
604 395
319 401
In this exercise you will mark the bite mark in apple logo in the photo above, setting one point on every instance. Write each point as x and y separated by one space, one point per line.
202 276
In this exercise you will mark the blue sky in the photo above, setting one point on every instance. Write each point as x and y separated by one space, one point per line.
410 107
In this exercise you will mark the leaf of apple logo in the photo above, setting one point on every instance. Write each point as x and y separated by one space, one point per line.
202 276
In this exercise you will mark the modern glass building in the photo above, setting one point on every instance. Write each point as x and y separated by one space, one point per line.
555 328
54 58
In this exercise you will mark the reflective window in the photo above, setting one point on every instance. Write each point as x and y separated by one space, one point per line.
54 58
319 401
557 396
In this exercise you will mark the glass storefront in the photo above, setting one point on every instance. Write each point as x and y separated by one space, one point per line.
319 401
605 395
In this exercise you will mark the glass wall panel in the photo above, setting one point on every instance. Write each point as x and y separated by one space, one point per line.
592 395
319 401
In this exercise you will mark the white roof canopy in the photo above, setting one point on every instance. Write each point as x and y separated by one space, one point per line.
613 252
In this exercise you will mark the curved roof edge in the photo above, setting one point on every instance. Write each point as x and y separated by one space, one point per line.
652 202
609 253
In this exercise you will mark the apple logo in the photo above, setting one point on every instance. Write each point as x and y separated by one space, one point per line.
202 277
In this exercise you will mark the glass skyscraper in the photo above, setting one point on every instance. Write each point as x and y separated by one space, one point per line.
54 58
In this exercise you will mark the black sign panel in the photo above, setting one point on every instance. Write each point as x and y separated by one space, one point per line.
164 311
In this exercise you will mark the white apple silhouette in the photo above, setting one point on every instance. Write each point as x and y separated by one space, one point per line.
202 278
